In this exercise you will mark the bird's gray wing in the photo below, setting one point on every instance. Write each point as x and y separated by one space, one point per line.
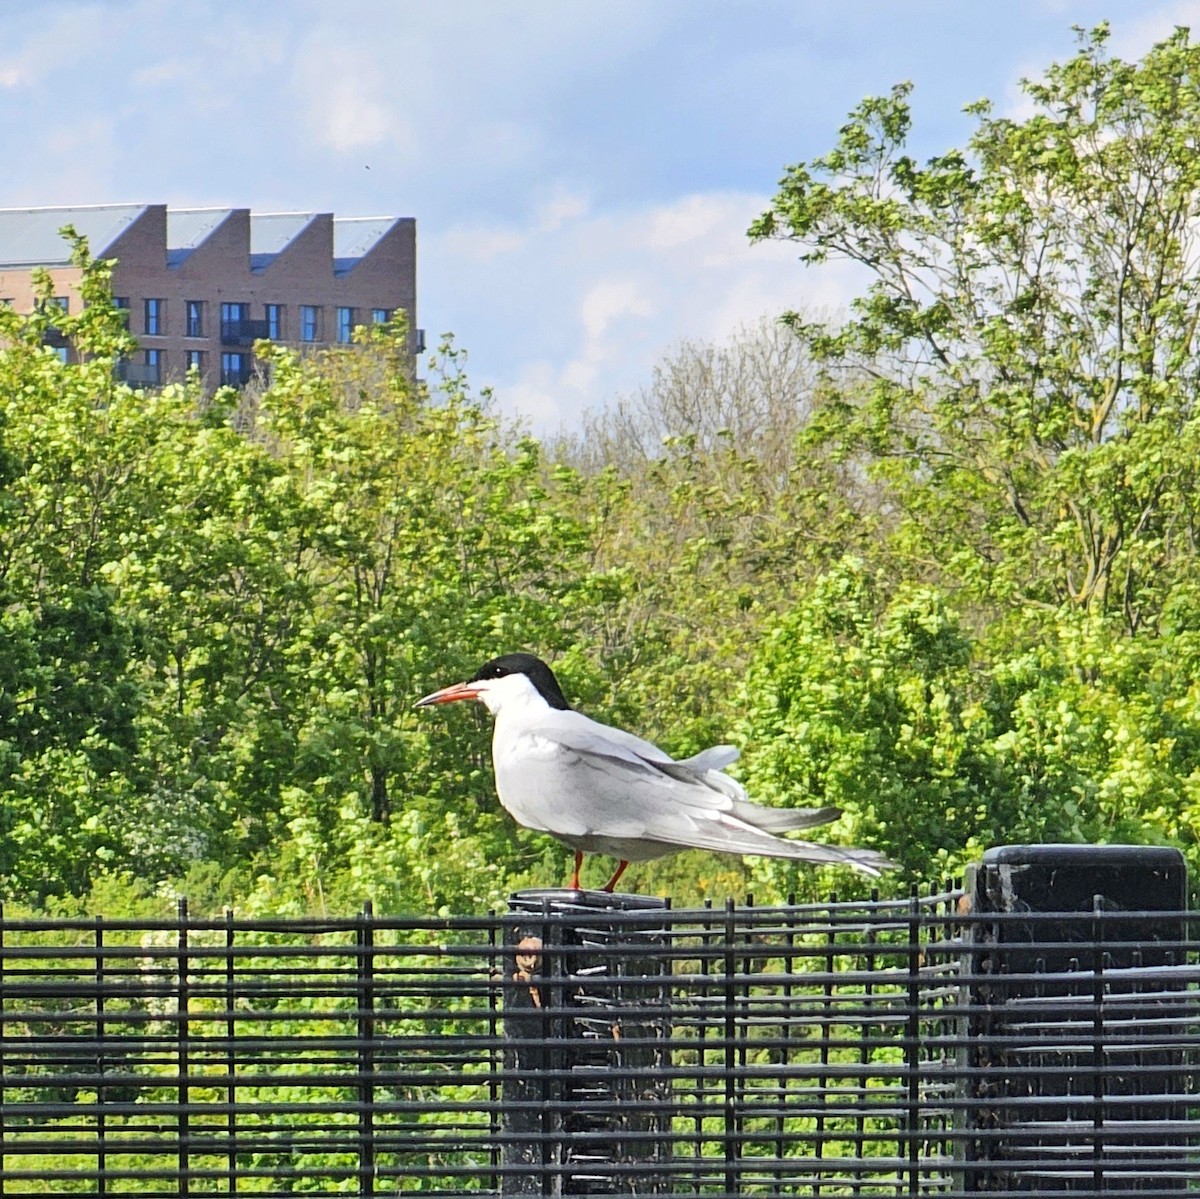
715 758
598 744
672 800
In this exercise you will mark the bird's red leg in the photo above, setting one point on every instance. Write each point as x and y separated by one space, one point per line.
612 882
573 885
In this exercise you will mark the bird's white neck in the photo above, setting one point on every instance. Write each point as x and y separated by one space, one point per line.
510 695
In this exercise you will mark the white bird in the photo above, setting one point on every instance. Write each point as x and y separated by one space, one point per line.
601 790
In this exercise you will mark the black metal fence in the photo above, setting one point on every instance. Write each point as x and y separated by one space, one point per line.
938 1045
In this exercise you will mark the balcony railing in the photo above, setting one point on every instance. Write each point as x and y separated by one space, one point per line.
138 374
243 332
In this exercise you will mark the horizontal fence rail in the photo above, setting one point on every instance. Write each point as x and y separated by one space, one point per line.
586 1044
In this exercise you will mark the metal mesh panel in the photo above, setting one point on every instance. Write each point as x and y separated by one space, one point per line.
589 1045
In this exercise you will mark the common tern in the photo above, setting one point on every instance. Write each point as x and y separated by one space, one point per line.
601 790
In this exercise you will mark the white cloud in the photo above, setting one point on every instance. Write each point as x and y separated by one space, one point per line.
479 244
346 98
171 72
562 207
586 307
695 219
1132 38
54 41
610 300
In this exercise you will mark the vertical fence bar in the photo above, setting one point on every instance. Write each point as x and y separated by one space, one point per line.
366 1050
495 1058
101 1154
865 1052
732 1142
700 1085
182 1049
3 1054
785 1049
1099 1079
230 1056
912 1047
827 995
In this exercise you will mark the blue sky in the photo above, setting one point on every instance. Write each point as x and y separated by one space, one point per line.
582 174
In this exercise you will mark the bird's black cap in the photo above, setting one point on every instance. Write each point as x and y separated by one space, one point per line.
539 674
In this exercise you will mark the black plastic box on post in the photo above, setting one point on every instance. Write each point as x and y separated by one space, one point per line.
586 1093
1077 1021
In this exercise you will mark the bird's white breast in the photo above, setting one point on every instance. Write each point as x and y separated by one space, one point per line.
533 780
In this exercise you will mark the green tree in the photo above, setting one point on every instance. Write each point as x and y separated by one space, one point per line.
71 689
868 702
1022 371
876 697
218 611
440 537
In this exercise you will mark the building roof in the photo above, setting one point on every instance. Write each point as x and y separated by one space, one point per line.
30 236
271 233
189 227
355 237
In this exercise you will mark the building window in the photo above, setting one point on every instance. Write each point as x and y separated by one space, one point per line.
380 316
156 313
274 314
195 318
121 304
155 360
233 369
345 325
62 303
234 321
310 325
195 360
59 352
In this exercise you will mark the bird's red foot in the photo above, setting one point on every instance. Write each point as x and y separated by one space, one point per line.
612 882
573 885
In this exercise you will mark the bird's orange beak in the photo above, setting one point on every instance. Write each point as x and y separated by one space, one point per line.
448 695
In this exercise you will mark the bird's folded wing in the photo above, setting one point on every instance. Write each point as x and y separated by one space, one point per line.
598 745
715 758
727 834
651 795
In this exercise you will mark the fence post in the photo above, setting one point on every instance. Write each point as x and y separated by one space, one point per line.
1076 1066
585 1031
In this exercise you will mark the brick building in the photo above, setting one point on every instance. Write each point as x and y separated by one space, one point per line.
203 284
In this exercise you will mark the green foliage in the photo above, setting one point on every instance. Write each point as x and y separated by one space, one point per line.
935 563
1022 371
938 746
217 616
870 702
1019 383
